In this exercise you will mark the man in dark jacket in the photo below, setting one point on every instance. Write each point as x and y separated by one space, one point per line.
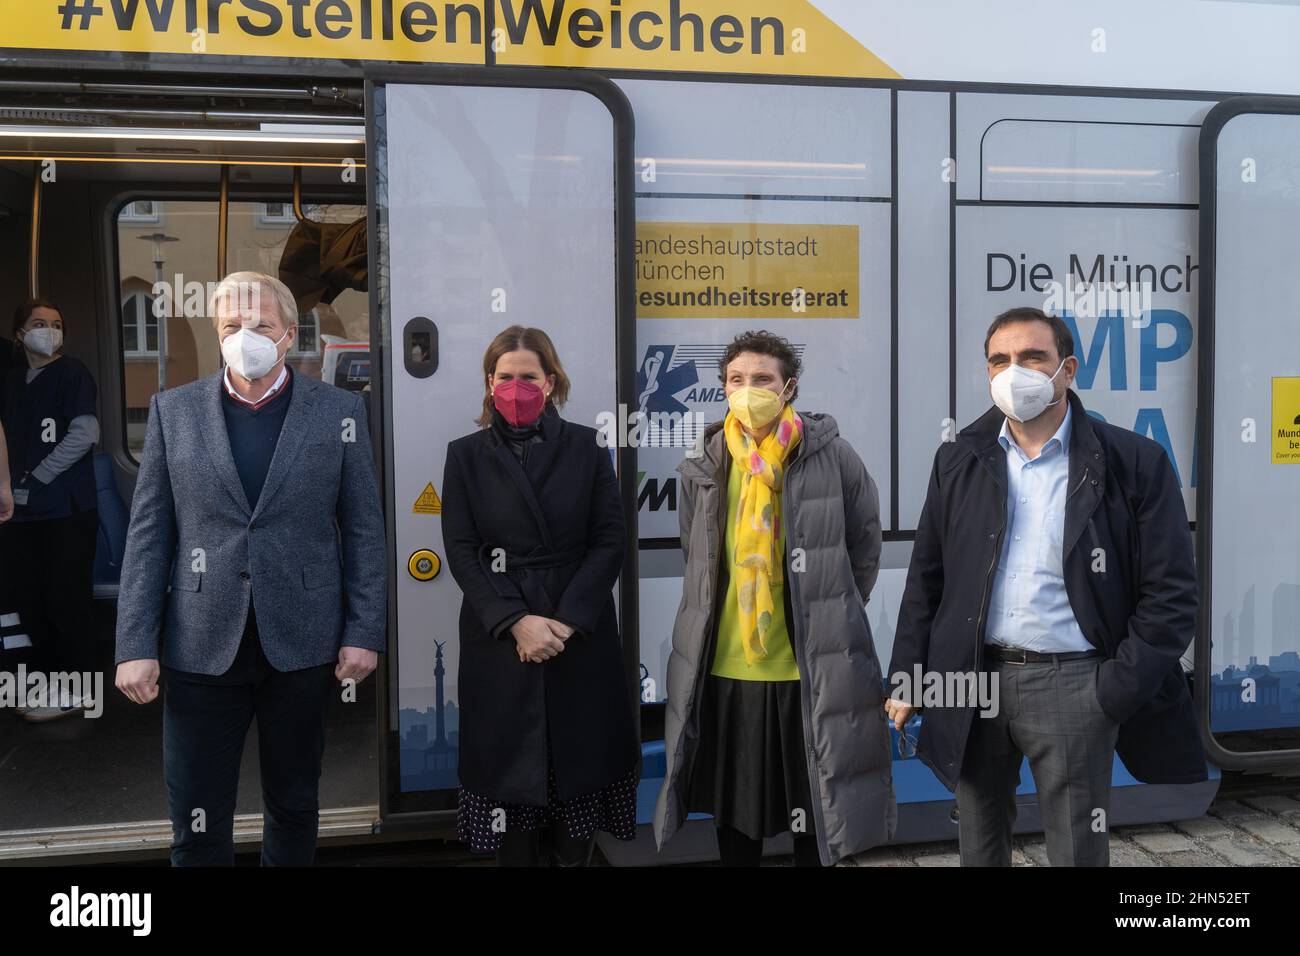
254 573
1053 557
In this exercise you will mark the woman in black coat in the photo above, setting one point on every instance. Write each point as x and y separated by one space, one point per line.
534 532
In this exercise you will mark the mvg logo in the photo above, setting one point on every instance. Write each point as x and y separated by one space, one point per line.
77 909
656 493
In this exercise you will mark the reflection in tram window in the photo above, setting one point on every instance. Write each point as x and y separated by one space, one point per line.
167 254
139 324
420 347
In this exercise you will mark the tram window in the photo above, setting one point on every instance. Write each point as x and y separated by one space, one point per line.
1062 161
142 211
421 350
139 325
167 262
308 341
279 214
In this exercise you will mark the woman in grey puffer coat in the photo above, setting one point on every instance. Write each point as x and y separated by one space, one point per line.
830 510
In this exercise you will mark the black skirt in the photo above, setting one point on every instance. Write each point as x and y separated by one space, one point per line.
750 771
612 808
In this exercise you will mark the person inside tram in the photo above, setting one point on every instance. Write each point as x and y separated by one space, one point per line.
6 490
51 429
535 536
8 348
10 619
258 503
778 724
11 633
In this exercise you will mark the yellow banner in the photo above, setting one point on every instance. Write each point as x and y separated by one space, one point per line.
397 30
712 36
709 36
746 270
1286 421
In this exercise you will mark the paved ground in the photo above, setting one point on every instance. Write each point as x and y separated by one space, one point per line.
1238 831
1253 831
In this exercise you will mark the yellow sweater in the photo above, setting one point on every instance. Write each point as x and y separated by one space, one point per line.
729 654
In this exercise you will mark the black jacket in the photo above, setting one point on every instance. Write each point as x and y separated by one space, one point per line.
558 519
1125 518
64 390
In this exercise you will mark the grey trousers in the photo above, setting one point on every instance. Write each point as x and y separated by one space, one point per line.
1049 713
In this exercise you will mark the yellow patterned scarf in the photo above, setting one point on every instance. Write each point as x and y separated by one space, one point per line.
757 519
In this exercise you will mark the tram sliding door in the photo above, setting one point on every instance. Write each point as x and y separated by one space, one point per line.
498 198
1248 526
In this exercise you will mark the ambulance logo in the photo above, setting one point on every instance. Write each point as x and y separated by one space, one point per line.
659 380
681 378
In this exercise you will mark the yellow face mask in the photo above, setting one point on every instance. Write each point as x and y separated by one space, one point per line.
754 407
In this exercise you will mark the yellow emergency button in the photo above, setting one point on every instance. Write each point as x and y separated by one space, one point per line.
424 565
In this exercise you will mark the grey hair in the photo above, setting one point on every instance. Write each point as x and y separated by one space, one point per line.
241 286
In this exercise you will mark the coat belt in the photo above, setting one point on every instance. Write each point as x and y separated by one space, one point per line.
529 585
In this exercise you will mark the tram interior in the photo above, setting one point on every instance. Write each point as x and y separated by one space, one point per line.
106 191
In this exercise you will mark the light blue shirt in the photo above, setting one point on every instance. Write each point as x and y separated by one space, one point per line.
1028 606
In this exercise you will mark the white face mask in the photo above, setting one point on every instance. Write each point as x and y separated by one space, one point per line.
250 354
43 341
1023 393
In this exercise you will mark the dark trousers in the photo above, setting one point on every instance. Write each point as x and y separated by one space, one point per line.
205 722
48 568
1049 713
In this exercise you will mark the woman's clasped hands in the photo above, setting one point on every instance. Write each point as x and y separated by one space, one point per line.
538 639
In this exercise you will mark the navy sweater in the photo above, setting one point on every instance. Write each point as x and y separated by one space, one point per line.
253 435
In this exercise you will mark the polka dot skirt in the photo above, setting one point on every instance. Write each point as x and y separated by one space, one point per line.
611 808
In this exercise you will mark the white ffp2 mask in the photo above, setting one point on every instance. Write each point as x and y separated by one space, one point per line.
250 354
1023 393
45 340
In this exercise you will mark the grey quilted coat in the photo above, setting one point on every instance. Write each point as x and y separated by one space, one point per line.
831 510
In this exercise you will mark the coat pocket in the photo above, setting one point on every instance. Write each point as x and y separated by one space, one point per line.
1096 691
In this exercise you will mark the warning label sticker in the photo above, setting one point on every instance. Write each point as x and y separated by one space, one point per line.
428 503
1286 420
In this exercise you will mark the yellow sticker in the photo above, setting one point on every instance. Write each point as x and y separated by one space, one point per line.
1286 420
404 30
428 503
767 37
710 36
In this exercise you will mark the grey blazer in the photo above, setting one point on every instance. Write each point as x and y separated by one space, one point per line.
311 556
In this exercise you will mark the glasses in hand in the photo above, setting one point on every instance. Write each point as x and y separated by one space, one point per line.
906 742
906 745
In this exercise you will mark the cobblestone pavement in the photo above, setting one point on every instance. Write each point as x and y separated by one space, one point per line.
1252 831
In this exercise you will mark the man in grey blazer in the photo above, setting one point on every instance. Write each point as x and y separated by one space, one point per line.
255 571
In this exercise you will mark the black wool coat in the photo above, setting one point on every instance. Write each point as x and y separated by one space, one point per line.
1129 574
558 521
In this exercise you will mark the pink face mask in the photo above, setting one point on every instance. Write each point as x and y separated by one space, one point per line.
519 401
